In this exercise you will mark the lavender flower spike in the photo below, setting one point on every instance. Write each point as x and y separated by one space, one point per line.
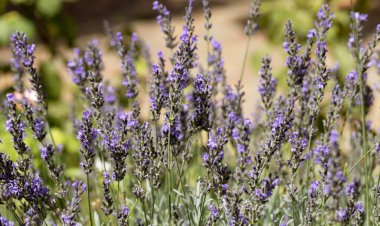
267 87
16 65
118 145
107 202
93 60
73 210
202 103
157 92
164 19
25 51
254 14
16 127
130 76
87 136
77 70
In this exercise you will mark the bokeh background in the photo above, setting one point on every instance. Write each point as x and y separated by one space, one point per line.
57 26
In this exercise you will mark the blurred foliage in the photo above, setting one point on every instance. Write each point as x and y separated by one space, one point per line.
12 21
52 80
42 18
302 14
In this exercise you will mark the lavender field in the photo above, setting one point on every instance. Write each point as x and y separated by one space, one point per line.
167 139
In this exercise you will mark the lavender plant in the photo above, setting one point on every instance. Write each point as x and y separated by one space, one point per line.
198 159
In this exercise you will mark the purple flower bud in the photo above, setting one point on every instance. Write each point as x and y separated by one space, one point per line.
165 21
155 5
352 188
86 114
206 157
334 136
359 17
212 142
10 97
321 152
342 215
109 96
224 186
312 34
313 188
44 153
254 14
276 182
5 222
359 207
213 210
352 76
134 37
327 189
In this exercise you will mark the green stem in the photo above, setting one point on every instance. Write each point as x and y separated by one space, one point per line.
144 209
89 198
117 202
152 172
364 148
376 197
153 201
56 213
307 151
346 117
323 208
203 198
7 213
14 214
153 198
208 51
45 223
170 170
202 208
245 58
357 162
170 196
295 219
183 189
378 182
360 71
130 212
294 201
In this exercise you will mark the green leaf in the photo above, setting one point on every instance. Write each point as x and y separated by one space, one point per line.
178 192
49 8
13 21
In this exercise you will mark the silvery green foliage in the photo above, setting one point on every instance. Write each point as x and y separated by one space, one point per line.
198 159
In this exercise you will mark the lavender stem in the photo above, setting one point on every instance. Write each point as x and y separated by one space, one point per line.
245 58
357 162
89 198
183 188
364 147
117 201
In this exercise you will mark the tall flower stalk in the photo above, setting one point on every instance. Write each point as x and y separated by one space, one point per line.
250 29
362 56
